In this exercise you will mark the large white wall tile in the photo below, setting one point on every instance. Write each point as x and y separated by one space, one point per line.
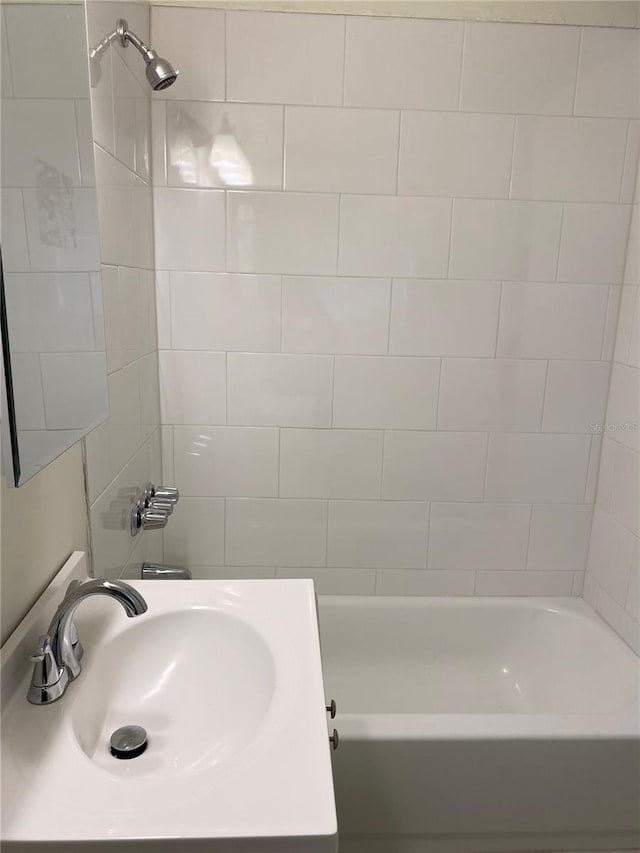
295 233
402 63
15 257
65 243
632 265
294 59
523 583
394 236
341 150
505 239
334 463
275 532
623 406
194 41
189 229
385 393
434 466
330 581
568 159
125 418
576 395
609 73
55 63
440 318
279 390
412 582
335 315
27 391
455 154
64 319
73 384
224 145
610 554
377 534
559 538
625 493
552 321
226 461
491 394
594 240
225 312
519 68
195 533
39 143
537 468
478 536
193 387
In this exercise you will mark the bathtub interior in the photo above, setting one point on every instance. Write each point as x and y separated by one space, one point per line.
473 656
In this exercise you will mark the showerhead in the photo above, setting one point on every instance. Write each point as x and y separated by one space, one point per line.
160 72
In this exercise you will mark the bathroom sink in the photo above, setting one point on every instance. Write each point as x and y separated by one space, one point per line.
226 679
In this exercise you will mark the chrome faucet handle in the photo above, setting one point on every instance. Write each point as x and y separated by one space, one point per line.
153 519
167 493
48 681
163 505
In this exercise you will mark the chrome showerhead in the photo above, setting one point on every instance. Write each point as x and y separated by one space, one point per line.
160 72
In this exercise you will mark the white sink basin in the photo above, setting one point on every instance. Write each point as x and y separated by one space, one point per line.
226 679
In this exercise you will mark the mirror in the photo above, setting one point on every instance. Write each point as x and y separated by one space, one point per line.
51 303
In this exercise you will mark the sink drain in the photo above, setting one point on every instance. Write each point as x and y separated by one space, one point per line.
128 742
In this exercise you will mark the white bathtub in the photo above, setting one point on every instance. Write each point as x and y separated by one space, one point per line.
481 725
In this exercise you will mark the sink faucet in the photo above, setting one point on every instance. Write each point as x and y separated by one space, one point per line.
57 658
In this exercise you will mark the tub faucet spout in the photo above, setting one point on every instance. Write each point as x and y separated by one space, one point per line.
57 658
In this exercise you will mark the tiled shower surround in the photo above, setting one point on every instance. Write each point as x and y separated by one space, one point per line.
389 256
124 452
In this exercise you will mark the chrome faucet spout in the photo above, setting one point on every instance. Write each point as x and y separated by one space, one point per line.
60 647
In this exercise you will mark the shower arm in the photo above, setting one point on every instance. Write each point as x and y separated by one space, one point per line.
125 36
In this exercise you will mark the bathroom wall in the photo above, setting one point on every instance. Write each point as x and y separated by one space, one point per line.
389 258
612 584
124 453
45 519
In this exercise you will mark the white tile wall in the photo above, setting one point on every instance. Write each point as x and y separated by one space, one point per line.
613 565
409 295
124 452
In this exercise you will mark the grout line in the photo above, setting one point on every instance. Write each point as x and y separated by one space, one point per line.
500 296
333 388
529 528
453 207
439 391
384 445
225 28
390 303
281 313
544 395
337 270
486 467
624 163
326 534
283 181
513 157
462 52
560 236
398 152
344 60
279 462
577 72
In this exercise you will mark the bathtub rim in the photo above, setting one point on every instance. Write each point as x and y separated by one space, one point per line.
620 724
